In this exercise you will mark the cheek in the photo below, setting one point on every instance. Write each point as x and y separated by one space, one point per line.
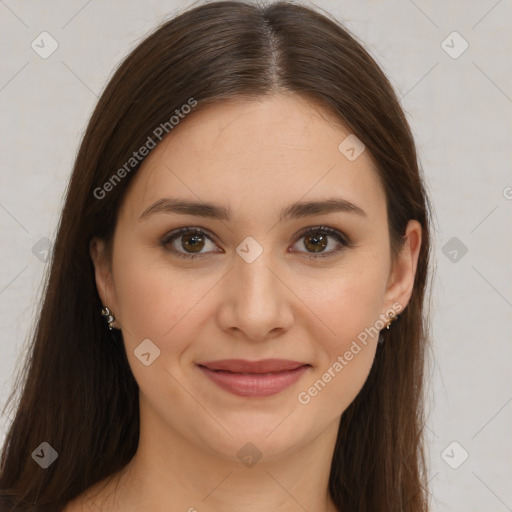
350 306
346 356
157 303
160 305
351 303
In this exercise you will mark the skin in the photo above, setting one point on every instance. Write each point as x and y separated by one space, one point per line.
281 305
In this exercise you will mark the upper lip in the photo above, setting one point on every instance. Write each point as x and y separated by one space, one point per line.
244 366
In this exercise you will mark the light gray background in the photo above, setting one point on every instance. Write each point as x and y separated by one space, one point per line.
460 111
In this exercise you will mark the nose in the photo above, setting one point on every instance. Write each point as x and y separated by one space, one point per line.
255 302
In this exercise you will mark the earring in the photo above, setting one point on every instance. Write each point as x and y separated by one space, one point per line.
392 318
110 317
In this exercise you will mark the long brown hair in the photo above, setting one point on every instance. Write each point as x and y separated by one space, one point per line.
77 392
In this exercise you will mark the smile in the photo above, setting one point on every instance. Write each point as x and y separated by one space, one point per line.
254 379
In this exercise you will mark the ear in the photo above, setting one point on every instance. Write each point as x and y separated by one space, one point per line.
401 280
103 275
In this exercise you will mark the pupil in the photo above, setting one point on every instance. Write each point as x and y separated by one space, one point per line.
315 243
318 242
195 240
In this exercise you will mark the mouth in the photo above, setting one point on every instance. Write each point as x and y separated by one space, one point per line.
254 379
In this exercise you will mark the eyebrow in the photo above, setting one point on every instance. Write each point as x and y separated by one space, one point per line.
213 211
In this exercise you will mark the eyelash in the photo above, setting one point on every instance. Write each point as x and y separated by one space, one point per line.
324 230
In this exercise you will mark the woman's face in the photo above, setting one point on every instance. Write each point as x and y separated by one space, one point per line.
264 283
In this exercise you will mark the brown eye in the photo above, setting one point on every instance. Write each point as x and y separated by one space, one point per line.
192 242
189 243
316 240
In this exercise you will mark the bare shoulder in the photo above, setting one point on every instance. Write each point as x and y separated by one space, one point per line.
82 503
93 499
73 506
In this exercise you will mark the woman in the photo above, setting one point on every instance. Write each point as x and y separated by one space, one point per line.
234 314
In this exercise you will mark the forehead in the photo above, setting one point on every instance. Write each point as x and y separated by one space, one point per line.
264 151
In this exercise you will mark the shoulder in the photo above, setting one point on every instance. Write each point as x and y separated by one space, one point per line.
105 495
92 499
82 503
73 506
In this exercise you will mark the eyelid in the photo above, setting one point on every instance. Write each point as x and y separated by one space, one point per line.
336 233
169 237
340 237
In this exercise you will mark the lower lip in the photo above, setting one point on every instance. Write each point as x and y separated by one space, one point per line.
255 385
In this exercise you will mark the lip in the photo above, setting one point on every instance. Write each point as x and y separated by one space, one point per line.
254 378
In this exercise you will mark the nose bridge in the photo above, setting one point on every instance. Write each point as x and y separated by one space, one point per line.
257 282
252 265
256 302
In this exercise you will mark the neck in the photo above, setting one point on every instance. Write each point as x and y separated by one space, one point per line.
170 473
